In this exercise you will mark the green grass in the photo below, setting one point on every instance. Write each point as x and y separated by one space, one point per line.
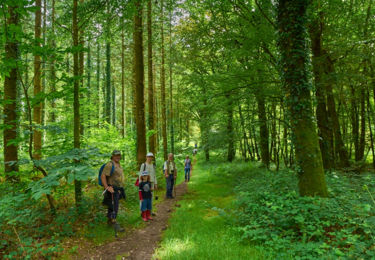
200 228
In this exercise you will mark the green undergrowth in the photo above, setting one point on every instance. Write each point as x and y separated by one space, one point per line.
272 215
202 227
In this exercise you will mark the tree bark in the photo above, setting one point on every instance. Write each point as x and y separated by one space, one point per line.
324 128
10 96
291 21
37 113
162 87
263 130
76 104
230 133
123 101
151 127
139 84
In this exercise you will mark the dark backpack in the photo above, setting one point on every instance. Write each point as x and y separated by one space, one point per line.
101 171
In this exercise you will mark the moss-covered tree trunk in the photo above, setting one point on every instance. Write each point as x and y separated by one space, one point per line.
139 84
291 21
10 96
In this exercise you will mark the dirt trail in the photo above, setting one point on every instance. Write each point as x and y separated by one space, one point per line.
132 245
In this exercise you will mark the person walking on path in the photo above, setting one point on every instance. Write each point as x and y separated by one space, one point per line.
170 173
150 167
145 196
113 183
188 168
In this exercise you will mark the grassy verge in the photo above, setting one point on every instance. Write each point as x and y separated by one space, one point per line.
201 227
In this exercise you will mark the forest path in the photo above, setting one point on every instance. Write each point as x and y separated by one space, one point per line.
133 245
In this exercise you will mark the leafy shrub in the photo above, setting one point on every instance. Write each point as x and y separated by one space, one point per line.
273 215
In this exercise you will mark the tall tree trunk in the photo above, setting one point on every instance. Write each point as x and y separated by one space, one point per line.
362 138
76 105
123 101
339 144
139 84
171 121
10 96
43 65
246 141
162 87
291 18
81 71
98 80
263 130
230 133
324 129
37 113
53 70
89 90
108 71
151 127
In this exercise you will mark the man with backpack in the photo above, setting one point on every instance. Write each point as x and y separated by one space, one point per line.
170 173
111 177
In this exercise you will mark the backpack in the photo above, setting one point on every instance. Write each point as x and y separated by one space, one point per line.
101 171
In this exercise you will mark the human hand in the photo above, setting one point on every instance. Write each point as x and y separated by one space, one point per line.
155 187
110 189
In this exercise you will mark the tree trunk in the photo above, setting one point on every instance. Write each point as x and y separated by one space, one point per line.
339 144
81 71
53 71
291 18
162 87
123 101
37 113
98 80
263 130
10 96
108 72
139 84
324 128
230 133
171 99
151 127
362 138
76 105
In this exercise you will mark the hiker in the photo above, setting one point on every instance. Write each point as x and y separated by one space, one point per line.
145 195
113 183
195 151
170 173
150 167
188 167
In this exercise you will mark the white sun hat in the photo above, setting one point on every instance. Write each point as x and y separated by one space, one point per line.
149 155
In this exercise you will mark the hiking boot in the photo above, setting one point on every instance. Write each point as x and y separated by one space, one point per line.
148 215
110 222
118 228
144 216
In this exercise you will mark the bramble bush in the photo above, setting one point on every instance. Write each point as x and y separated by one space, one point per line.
272 215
